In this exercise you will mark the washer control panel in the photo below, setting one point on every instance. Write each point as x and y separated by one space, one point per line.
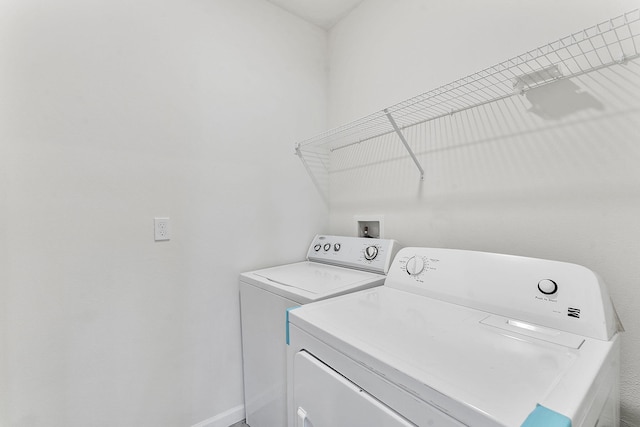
554 294
373 255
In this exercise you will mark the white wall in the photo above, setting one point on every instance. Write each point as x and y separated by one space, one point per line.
560 183
111 113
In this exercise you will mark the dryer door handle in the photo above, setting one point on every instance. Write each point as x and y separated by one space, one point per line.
302 418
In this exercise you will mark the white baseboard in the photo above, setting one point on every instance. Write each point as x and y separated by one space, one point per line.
224 419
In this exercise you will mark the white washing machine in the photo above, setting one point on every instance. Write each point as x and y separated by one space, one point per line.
335 266
459 338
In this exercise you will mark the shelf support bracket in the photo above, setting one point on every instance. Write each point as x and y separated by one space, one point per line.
404 141
322 191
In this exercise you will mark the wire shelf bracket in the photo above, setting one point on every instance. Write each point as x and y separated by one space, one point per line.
404 141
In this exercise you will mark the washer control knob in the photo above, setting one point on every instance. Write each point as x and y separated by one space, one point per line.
336 247
370 253
317 247
547 286
415 265
327 246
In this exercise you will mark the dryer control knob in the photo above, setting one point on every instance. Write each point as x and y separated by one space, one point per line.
415 265
370 253
547 286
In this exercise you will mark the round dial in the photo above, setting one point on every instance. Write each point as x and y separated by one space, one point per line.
336 247
370 253
327 246
317 248
415 265
547 286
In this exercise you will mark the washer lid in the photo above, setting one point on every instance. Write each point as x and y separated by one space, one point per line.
442 353
308 281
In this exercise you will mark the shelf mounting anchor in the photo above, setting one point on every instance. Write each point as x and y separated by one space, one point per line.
404 141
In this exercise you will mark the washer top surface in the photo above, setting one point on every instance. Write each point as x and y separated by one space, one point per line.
309 281
444 354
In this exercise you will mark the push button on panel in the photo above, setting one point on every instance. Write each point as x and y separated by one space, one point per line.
547 286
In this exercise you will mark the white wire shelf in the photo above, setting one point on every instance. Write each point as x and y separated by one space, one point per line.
614 41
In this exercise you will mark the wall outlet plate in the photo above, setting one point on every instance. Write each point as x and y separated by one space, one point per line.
161 229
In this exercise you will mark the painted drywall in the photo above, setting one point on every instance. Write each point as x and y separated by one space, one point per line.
112 113
553 174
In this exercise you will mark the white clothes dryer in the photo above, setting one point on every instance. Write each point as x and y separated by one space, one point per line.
335 265
459 338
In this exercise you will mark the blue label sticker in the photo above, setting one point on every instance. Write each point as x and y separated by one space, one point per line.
288 310
545 417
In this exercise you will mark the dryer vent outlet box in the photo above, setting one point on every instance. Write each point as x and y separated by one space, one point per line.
370 227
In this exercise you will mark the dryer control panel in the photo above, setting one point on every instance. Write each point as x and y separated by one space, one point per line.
553 294
368 254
